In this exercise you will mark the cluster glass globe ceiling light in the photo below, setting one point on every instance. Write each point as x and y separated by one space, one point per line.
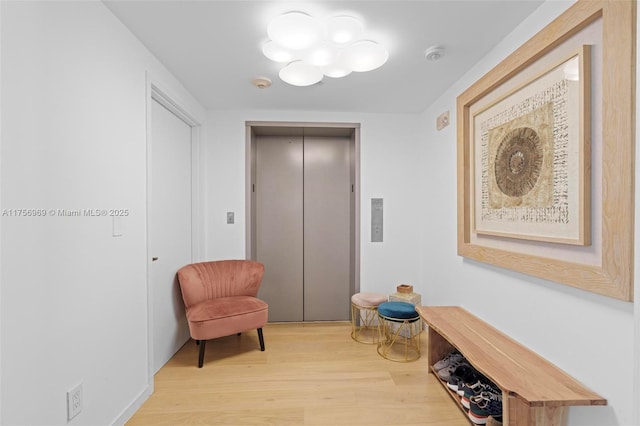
312 49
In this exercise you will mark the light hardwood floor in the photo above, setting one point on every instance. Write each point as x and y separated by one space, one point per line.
309 374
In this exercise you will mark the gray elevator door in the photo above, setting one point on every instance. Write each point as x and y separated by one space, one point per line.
279 225
326 228
303 216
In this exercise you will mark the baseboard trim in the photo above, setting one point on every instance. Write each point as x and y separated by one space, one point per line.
135 405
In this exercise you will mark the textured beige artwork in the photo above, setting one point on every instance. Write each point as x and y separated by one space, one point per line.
525 164
520 161
530 159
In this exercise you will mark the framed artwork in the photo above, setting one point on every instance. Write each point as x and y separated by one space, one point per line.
545 153
531 153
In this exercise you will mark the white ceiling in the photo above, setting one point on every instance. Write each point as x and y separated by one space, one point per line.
214 48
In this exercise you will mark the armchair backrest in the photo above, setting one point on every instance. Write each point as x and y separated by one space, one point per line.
221 278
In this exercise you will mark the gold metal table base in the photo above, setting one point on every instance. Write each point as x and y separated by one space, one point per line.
399 338
364 325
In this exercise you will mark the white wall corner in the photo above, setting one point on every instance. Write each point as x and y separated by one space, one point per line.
135 405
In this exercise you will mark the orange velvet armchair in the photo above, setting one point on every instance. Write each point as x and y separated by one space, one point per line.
220 299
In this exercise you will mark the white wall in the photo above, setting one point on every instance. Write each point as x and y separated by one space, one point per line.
74 298
589 336
389 170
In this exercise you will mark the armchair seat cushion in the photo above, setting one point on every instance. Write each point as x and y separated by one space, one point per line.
224 307
225 316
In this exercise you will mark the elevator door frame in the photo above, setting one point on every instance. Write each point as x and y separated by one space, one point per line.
270 128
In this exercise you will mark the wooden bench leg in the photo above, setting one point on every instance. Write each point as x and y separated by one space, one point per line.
438 348
518 413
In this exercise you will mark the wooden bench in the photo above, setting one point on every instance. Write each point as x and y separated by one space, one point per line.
534 391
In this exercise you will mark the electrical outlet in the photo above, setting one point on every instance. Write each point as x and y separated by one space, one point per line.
74 401
230 217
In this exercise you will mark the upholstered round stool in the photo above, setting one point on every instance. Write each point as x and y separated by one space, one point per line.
400 327
364 326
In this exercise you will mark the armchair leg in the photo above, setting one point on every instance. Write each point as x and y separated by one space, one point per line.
261 339
201 356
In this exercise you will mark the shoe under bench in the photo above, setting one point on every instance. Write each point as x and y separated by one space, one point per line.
534 391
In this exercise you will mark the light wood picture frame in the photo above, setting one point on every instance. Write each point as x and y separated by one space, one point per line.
600 260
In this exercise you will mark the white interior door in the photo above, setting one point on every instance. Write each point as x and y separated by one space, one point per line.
170 229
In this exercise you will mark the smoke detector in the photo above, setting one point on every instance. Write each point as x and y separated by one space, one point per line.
434 53
261 82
